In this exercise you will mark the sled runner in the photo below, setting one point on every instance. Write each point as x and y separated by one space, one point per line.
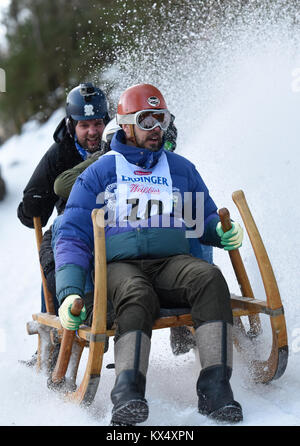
50 331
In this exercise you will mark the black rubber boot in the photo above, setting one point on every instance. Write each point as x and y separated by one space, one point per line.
128 395
216 397
214 341
181 340
130 406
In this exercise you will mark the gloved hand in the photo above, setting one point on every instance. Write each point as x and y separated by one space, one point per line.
170 136
231 239
33 204
67 319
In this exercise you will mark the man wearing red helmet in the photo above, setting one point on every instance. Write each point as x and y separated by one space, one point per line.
142 187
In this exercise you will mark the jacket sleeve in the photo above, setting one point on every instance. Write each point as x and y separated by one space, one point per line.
210 236
210 217
75 241
65 181
38 197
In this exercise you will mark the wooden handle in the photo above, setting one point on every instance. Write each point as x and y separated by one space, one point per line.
38 231
39 237
77 306
235 257
240 271
225 219
66 346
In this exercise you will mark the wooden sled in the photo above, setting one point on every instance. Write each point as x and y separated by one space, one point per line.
49 329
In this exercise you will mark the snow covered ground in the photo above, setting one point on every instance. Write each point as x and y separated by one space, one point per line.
241 127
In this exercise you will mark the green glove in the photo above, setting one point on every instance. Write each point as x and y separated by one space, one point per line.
231 239
67 319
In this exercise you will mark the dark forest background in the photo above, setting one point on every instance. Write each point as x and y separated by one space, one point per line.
52 45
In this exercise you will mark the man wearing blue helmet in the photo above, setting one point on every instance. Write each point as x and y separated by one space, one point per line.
76 138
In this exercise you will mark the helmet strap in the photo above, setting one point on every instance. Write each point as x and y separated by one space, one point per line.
131 137
106 119
71 124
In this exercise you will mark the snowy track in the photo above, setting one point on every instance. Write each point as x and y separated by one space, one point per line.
249 139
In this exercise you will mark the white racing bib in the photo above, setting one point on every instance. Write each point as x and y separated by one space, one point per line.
140 194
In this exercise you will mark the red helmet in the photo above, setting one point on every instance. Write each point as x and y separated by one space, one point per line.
140 97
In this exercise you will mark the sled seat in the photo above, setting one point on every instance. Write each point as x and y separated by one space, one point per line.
49 329
169 317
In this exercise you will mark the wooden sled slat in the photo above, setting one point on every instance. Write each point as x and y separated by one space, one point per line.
89 385
242 279
66 345
39 237
47 319
45 348
240 304
275 365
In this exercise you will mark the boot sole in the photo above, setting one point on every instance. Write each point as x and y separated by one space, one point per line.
132 412
228 414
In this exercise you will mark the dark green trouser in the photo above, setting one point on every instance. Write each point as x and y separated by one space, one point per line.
138 288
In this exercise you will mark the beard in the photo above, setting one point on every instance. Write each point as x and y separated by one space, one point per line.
90 145
151 142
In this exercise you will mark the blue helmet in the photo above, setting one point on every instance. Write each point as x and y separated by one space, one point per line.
86 102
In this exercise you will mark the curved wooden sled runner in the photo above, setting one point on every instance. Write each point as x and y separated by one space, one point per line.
50 331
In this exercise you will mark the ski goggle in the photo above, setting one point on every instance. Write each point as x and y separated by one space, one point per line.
147 119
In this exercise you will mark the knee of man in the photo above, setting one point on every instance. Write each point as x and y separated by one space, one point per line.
132 287
219 283
215 284
220 295
134 292
217 276
211 275
134 317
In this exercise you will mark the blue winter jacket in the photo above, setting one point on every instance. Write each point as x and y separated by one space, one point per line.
140 173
